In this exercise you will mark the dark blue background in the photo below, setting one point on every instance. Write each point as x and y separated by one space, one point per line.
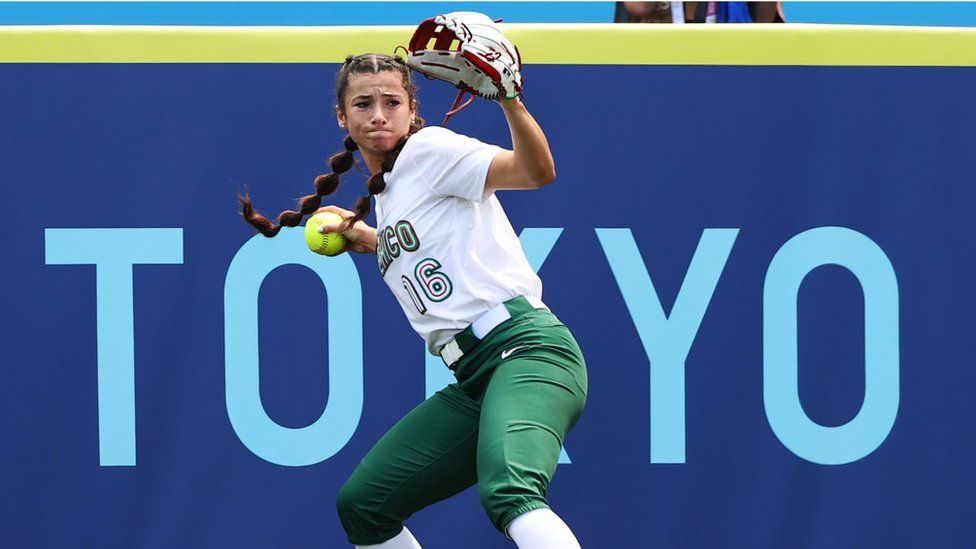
664 151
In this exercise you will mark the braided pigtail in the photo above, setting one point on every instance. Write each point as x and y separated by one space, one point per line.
375 184
325 185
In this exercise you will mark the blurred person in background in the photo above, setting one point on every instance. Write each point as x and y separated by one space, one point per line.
699 12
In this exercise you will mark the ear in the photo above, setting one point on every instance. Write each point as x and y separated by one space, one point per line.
340 118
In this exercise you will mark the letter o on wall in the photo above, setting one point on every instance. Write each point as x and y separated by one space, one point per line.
872 268
268 440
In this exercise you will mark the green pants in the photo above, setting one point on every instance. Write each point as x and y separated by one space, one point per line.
501 426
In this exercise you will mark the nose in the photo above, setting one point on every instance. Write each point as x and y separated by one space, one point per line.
377 118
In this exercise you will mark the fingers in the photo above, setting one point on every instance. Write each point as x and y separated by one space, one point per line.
336 210
341 212
339 228
325 229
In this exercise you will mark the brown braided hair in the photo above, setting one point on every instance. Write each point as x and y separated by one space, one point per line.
341 162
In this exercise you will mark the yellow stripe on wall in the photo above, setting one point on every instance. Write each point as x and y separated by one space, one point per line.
577 44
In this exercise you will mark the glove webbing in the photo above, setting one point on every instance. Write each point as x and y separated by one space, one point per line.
444 39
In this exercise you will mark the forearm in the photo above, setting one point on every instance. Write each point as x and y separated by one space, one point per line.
367 240
529 144
361 239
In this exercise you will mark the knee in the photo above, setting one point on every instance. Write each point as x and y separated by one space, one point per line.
360 505
350 503
359 511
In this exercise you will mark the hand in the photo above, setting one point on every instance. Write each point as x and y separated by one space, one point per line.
486 62
360 237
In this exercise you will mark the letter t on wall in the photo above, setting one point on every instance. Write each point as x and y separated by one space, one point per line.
114 252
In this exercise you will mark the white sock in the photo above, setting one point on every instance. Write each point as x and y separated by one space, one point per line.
542 529
403 540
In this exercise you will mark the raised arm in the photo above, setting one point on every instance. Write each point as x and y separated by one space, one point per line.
529 164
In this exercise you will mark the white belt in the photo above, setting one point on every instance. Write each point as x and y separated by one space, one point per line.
498 314
452 352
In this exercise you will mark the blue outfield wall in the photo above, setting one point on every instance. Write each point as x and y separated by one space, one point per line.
768 269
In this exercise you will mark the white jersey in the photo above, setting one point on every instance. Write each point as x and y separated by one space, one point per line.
444 245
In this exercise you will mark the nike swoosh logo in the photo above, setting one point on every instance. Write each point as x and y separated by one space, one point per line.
510 351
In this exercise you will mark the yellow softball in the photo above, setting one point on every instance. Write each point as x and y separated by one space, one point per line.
324 244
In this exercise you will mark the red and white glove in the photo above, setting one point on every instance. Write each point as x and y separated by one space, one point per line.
470 52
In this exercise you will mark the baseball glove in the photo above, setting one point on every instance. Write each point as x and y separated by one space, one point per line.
468 50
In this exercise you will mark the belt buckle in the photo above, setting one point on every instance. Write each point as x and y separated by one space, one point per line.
451 353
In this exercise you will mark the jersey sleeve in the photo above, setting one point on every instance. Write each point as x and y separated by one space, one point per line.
453 164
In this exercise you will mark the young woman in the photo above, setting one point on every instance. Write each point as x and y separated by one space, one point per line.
450 255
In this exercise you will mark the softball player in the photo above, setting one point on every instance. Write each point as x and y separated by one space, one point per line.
450 256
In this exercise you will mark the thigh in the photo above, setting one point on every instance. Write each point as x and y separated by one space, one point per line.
542 383
534 398
429 455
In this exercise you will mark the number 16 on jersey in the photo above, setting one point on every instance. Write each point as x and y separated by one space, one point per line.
434 283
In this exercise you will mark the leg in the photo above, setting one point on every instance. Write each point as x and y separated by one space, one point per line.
403 540
533 399
541 529
429 455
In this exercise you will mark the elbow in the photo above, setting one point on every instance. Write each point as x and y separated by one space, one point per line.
545 176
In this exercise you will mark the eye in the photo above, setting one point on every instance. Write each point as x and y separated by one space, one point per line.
393 102
361 104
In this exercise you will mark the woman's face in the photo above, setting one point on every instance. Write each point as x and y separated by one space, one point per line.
377 111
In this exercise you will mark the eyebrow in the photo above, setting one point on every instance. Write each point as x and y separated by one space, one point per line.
370 96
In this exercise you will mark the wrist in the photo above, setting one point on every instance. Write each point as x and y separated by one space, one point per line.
372 240
513 103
